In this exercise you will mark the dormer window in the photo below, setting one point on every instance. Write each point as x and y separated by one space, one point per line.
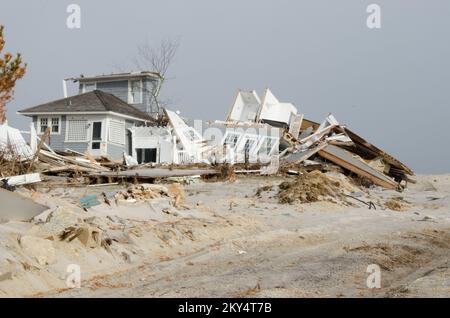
89 87
135 92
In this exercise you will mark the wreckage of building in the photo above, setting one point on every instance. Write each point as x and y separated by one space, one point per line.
298 139
113 118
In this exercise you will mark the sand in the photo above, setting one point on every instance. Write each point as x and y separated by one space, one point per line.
229 239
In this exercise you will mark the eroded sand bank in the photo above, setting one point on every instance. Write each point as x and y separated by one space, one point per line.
229 239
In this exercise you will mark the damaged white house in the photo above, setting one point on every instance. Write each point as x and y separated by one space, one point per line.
253 129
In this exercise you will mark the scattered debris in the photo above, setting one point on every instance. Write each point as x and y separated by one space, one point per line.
142 192
226 173
309 187
369 204
426 219
89 201
263 189
21 179
88 235
396 204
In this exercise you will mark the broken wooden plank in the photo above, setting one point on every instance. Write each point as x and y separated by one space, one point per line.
74 160
67 168
23 179
301 156
345 159
41 142
155 173
361 142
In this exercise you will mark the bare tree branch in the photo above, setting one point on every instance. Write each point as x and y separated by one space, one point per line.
157 59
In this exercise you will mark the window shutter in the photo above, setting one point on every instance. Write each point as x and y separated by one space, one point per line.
117 132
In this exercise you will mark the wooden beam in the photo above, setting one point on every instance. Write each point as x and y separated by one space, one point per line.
345 159
41 142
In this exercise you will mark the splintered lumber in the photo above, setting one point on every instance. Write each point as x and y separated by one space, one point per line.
289 138
63 160
155 173
345 159
67 168
301 156
41 142
375 151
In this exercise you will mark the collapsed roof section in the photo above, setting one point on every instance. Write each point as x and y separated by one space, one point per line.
248 107
275 113
336 143
245 107
362 147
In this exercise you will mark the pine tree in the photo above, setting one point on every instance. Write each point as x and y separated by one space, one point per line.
11 70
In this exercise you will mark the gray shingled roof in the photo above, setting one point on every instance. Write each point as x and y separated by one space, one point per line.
95 101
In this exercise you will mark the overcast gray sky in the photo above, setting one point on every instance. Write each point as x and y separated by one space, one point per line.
390 85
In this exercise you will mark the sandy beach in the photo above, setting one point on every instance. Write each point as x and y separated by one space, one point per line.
230 239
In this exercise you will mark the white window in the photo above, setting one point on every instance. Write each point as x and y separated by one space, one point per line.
55 125
249 144
231 139
268 145
89 87
117 132
77 130
43 124
52 122
135 92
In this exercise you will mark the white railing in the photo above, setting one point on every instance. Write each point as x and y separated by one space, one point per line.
182 157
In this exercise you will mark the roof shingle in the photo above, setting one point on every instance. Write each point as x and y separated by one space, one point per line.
95 101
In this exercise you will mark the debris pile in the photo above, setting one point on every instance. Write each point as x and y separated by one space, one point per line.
11 164
226 173
146 191
333 143
14 152
397 204
88 235
142 192
309 187
263 136
257 129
